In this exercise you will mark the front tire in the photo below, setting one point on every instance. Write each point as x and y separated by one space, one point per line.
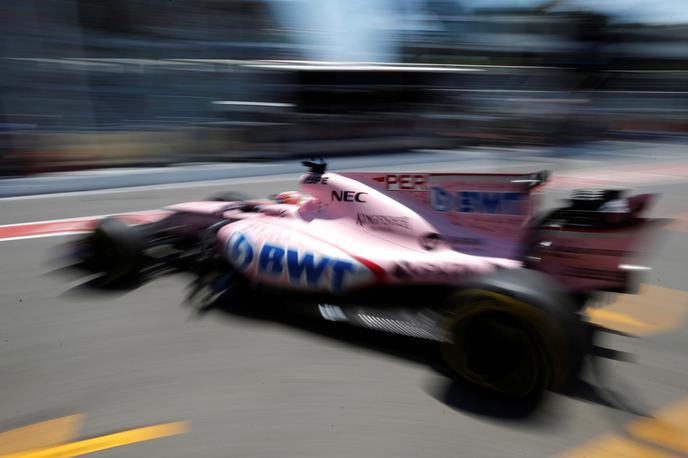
115 250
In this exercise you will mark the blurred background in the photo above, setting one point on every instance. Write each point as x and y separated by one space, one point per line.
90 83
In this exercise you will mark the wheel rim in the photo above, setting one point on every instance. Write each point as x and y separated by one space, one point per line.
494 350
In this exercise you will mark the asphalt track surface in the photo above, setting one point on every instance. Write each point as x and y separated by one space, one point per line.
249 386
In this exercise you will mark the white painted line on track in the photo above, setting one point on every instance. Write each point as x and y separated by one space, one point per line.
41 236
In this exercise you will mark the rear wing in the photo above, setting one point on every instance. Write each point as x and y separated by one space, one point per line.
484 214
596 243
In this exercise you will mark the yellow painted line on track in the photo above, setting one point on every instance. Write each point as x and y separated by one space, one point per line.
611 446
96 444
43 434
654 309
669 428
663 436
617 318
679 223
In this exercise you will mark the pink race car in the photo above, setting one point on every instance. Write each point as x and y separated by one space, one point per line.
459 258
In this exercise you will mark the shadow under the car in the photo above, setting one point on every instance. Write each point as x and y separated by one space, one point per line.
444 387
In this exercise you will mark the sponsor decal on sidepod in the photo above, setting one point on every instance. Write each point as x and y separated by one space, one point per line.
405 270
277 261
364 219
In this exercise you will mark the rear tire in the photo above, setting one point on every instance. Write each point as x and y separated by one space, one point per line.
515 334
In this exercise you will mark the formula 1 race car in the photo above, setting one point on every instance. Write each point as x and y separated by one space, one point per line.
459 258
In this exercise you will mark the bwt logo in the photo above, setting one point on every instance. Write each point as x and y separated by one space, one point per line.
347 196
276 261
494 203
240 251
405 182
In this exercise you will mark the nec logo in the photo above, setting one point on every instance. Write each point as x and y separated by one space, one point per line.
405 182
347 196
